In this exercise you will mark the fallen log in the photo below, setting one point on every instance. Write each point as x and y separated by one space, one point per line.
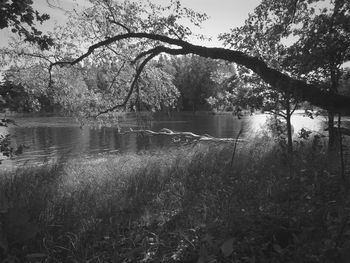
188 135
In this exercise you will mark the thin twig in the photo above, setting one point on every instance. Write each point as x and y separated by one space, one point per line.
116 75
133 84
342 164
235 146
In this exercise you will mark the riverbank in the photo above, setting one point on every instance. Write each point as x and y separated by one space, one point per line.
190 204
50 138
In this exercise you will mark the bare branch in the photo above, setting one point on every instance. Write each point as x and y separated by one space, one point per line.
138 73
152 53
116 75
295 107
121 25
116 53
114 20
278 113
35 55
55 6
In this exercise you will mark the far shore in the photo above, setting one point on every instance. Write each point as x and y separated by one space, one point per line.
58 114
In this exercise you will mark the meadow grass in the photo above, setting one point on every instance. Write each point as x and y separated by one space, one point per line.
185 204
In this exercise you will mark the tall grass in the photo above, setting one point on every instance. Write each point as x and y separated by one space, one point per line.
176 205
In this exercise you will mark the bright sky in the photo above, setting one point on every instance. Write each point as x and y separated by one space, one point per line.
224 14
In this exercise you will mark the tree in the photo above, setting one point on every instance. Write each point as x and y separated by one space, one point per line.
322 44
192 76
20 17
225 80
159 32
344 86
262 36
155 42
102 80
14 96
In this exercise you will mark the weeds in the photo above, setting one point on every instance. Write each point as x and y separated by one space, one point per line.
178 205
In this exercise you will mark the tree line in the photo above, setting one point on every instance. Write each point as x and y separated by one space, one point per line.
110 56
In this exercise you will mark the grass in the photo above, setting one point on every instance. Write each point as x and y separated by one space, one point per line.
187 204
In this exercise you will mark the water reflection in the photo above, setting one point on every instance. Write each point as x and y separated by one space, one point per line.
52 138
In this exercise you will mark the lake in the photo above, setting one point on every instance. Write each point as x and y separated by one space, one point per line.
50 138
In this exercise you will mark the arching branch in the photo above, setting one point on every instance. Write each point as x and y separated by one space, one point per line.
161 49
151 54
297 88
133 84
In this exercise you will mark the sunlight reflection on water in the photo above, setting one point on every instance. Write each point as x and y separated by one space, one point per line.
50 139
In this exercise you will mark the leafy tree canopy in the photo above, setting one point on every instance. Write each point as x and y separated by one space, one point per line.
160 39
20 17
193 78
139 32
103 80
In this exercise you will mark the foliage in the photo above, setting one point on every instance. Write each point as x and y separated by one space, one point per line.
225 78
20 17
178 205
192 77
104 80
323 43
149 30
168 206
344 85
16 98
307 39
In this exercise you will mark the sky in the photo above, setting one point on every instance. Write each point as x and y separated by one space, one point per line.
224 14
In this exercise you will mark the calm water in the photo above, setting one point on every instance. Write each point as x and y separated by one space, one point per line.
50 138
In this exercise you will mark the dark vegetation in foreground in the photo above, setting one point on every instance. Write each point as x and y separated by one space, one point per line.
191 204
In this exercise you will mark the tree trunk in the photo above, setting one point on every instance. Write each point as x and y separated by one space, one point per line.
332 140
331 132
342 161
289 126
289 141
289 133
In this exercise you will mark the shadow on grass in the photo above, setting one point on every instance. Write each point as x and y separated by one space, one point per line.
179 205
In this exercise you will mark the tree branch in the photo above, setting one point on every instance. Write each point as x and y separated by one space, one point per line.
294 108
161 49
297 88
116 75
152 53
280 114
121 25
35 56
114 20
126 99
